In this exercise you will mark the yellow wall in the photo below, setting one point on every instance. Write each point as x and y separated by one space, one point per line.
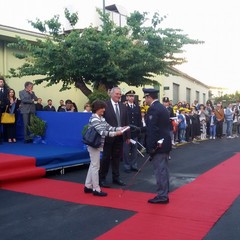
8 60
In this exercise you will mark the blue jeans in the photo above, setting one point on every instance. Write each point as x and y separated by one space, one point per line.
229 128
182 135
212 131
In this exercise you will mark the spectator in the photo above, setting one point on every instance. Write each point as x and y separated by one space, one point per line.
74 106
27 108
38 105
49 106
220 118
3 102
62 105
68 106
87 107
229 120
12 107
213 122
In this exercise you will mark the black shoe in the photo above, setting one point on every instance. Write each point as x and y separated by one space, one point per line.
88 190
99 194
119 182
28 141
104 184
134 170
127 170
158 200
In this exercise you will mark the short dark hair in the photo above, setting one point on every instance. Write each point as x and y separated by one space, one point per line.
26 84
68 101
98 104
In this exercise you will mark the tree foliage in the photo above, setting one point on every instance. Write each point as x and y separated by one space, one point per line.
101 57
228 98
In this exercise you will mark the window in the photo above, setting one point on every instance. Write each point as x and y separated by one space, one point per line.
197 96
188 95
175 93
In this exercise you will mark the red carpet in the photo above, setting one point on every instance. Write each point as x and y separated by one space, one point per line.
193 208
16 168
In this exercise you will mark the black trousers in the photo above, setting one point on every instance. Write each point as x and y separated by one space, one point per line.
1 127
112 154
219 129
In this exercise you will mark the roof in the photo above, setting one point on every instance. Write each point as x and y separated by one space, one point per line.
117 8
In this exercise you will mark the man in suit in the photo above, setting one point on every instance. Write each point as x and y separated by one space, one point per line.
158 128
27 108
116 115
130 149
3 102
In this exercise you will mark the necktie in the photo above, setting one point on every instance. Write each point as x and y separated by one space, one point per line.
117 115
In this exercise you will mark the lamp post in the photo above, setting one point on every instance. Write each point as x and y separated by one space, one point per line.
103 6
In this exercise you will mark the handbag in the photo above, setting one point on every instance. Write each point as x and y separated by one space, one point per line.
7 118
92 138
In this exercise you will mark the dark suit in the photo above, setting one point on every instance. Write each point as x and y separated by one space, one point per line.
27 108
113 147
158 127
3 104
49 109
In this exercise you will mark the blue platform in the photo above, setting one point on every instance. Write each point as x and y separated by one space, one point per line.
63 145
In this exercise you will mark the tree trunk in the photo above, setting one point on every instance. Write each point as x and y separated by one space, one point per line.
80 84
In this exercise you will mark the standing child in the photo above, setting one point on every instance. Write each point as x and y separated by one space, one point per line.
213 122
182 124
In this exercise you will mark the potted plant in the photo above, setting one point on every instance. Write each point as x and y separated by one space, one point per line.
37 128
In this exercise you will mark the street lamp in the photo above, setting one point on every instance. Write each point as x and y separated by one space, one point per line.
103 6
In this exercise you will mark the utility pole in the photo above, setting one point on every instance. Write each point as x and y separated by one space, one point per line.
103 6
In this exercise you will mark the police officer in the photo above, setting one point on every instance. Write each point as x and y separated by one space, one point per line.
166 103
130 148
158 128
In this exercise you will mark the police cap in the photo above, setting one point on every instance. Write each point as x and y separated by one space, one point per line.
165 99
149 91
130 93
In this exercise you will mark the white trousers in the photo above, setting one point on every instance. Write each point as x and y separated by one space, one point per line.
92 179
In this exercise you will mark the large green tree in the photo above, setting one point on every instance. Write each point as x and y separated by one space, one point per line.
101 57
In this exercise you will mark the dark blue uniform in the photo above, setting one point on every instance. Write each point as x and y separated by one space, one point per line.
130 150
157 128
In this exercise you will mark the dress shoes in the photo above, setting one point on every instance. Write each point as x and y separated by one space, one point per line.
134 170
104 184
158 200
127 170
119 182
88 190
99 194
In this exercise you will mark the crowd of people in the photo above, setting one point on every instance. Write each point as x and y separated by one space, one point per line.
202 121
27 104
155 126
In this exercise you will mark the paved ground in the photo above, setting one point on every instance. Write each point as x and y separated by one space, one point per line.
26 217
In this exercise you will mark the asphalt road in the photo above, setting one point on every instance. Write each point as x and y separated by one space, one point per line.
26 217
